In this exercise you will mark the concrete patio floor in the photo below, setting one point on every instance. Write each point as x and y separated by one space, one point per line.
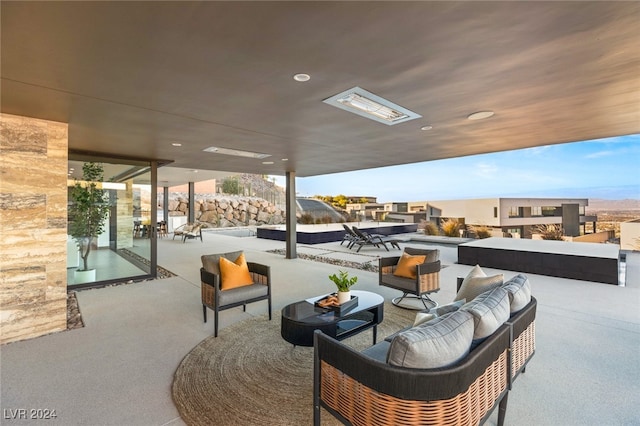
118 369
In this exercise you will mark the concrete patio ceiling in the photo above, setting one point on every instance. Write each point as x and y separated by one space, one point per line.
133 78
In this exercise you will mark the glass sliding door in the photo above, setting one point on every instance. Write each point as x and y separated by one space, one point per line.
125 249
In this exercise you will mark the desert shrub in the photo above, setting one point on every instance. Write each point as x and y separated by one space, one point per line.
550 232
430 228
450 228
231 186
326 219
306 219
481 231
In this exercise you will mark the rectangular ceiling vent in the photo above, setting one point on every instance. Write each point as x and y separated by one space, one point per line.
366 104
236 152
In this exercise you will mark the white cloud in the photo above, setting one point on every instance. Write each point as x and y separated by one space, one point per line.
486 170
600 154
537 150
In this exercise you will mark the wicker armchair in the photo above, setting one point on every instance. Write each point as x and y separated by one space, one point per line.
216 299
427 277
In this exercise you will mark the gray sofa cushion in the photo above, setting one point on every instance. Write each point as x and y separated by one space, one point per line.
439 343
211 262
449 307
489 310
431 255
519 290
239 294
378 351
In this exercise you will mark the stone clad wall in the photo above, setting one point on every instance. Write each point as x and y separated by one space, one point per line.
223 210
33 225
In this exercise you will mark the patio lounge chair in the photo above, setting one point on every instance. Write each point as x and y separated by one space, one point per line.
180 230
188 230
349 236
195 232
365 239
374 239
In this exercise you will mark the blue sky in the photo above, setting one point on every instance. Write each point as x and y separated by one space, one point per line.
604 168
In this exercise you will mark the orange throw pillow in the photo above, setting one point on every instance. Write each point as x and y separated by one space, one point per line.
406 266
234 274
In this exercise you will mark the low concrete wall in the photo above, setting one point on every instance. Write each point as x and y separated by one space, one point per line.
598 237
318 234
578 261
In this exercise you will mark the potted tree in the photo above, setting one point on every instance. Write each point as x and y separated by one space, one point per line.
87 213
343 282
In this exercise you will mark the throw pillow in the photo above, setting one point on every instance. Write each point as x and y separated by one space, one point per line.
234 274
423 317
211 262
439 343
477 282
519 290
407 265
490 310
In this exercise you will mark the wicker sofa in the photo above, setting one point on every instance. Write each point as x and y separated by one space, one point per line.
363 388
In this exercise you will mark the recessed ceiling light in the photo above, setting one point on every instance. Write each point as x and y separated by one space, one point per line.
302 77
368 105
267 162
285 159
176 144
426 127
236 152
480 115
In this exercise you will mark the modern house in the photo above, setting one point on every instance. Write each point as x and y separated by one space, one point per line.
519 217
157 91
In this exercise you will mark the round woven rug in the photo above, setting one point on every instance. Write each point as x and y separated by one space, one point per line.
249 375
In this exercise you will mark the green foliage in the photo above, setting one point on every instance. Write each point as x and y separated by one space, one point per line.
342 280
339 201
550 232
231 186
88 210
450 228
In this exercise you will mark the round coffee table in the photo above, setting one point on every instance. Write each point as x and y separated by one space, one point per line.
301 319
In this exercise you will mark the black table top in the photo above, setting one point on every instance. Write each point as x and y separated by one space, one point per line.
305 312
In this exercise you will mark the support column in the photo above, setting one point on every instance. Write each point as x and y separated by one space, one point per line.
192 210
165 203
290 202
33 226
154 220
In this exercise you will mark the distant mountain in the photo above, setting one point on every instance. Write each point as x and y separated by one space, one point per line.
601 204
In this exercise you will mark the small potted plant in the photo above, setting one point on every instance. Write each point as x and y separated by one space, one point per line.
343 282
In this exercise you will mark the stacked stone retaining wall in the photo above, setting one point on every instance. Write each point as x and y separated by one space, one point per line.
221 211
